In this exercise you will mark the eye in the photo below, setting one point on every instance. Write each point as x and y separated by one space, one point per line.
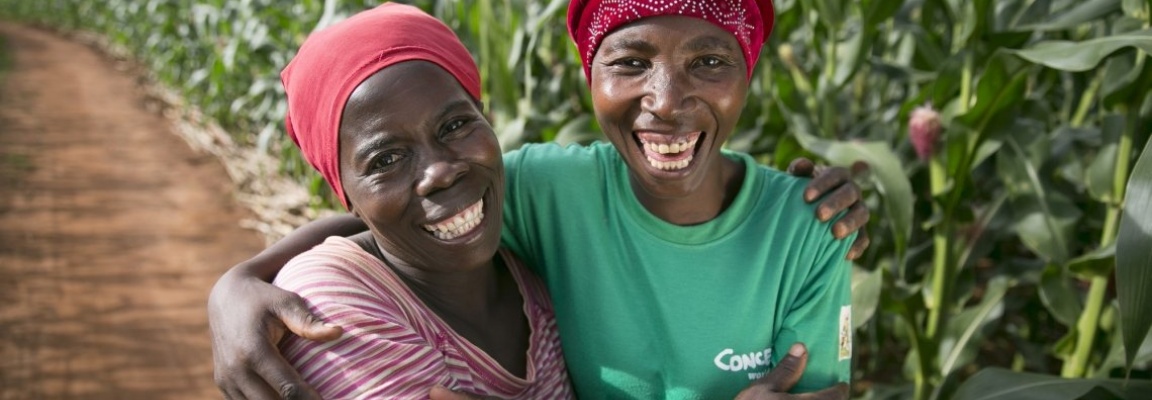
629 63
386 161
455 128
712 61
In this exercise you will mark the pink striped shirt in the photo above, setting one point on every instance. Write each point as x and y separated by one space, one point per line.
396 347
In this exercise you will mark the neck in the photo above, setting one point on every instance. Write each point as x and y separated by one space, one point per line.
704 203
471 292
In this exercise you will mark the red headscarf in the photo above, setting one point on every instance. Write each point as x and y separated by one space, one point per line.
332 62
589 21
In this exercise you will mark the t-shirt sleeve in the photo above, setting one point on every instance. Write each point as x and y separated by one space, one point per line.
515 234
379 355
821 317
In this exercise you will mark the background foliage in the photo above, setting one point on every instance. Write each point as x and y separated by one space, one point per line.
999 249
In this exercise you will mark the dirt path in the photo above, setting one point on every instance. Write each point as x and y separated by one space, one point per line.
112 231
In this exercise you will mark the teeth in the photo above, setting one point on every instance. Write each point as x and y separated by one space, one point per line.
459 224
664 148
670 165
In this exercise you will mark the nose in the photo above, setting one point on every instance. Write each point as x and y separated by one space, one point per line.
667 92
440 174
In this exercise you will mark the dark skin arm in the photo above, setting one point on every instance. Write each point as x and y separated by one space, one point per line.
772 386
248 316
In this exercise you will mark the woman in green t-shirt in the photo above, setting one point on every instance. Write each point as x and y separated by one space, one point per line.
668 81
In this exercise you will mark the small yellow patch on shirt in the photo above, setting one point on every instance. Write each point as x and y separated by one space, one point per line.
845 332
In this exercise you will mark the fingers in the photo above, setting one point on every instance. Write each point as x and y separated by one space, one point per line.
842 198
827 180
788 371
860 169
777 382
858 246
285 380
296 316
801 167
855 220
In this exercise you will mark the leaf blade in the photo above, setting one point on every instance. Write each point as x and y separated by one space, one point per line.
1134 256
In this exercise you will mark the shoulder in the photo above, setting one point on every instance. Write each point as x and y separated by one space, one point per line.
339 275
781 196
535 156
773 185
336 259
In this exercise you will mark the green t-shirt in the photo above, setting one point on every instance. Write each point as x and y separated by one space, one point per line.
648 309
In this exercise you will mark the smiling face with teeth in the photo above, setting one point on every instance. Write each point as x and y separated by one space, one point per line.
421 166
668 92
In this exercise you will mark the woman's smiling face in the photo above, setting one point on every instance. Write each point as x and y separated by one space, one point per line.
668 92
421 166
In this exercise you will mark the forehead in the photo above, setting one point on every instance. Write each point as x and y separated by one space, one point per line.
400 98
409 86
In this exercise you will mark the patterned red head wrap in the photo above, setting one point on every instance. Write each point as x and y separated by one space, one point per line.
333 61
589 21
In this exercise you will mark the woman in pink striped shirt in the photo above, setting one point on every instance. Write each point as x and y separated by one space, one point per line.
386 106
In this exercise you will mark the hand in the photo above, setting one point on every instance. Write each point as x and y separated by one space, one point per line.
442 393
247 317
776 384
838 192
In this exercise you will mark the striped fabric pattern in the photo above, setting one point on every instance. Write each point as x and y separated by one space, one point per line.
396 348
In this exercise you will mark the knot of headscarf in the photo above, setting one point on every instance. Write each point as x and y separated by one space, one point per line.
589 21
333 61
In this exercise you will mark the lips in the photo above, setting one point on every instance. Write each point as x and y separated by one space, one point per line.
668 152
460 224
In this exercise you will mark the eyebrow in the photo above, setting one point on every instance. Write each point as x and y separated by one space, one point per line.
451 107
632 44
364 151
705 43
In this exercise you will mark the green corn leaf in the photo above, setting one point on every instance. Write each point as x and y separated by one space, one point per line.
1046 219
1134 256
1058 296
1116 358
879 11
1003 384
999 89
1083 12
1097 263
964 331
1085 55
866 286
1098 177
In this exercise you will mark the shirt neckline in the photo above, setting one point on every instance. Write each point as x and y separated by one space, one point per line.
715 229
488 365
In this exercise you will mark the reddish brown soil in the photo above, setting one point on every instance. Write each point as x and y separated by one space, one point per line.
112 231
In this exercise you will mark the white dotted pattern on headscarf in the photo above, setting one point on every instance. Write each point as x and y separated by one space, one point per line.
731 13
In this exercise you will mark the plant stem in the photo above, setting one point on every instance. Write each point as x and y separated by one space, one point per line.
1086 101
827 102
941 272
966 85
1086 327
941 282
920 379
1089 321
